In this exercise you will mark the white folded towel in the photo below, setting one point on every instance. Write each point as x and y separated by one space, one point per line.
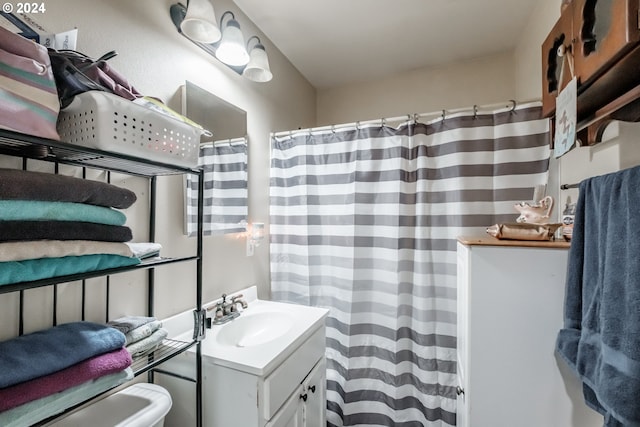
142 332
148 344
145 249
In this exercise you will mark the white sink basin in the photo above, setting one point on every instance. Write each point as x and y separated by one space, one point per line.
254 329
262 336
257 341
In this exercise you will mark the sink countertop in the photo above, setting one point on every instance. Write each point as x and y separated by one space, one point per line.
262 358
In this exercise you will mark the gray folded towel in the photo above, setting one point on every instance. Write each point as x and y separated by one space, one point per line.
142 332
126 324
17 184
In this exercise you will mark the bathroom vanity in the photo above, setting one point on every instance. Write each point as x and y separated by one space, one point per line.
266 368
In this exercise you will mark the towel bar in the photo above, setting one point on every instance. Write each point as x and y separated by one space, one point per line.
568 186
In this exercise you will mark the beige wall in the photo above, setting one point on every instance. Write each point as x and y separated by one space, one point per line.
157 60
481 81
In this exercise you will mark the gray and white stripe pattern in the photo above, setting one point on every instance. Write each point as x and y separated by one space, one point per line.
364 222
225 189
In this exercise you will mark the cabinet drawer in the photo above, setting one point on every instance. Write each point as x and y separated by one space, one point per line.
287 377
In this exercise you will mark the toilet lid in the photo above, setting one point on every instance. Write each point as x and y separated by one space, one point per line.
139 405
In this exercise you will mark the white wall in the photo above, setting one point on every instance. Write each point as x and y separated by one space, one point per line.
158 60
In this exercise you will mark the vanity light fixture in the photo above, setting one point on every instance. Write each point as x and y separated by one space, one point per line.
231 50
199 23
255 236
196 22
257 69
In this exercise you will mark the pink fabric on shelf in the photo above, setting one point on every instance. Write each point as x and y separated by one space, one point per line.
87 370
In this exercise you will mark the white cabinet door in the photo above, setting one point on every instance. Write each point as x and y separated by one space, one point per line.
291 413
510 312
314 387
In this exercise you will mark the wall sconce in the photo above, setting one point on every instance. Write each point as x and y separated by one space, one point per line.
231 50
258 67
255 236
197 22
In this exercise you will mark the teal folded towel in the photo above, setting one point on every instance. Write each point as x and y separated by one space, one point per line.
38 210
44 268
44 352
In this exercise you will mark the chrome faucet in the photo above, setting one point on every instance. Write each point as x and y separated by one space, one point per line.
235 300
226 311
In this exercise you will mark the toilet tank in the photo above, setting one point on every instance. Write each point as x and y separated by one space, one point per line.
139 405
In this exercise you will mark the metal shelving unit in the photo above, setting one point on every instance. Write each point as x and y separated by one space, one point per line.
30 147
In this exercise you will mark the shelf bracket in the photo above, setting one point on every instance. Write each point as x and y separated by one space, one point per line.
199 322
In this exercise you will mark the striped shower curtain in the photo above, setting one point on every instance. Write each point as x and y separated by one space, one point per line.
225 189
364 222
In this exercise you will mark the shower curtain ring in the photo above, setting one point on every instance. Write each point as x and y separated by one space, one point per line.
513 108
475 111
333 129
444 113
416 116
382 122
357 125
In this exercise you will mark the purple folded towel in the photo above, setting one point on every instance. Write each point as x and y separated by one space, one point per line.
87 370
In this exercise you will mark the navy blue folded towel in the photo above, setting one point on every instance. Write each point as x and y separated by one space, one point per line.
45 352
14 231
601 336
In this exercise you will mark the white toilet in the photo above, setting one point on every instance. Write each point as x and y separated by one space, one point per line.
140 405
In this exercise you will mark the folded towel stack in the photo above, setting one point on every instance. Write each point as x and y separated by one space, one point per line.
142 334
52 225
46 372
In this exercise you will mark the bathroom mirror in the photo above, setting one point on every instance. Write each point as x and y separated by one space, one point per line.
223 156
224 120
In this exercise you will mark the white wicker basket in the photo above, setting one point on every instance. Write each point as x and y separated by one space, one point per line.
111 123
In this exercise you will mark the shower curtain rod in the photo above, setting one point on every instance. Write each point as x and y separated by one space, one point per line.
407 117
231 141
